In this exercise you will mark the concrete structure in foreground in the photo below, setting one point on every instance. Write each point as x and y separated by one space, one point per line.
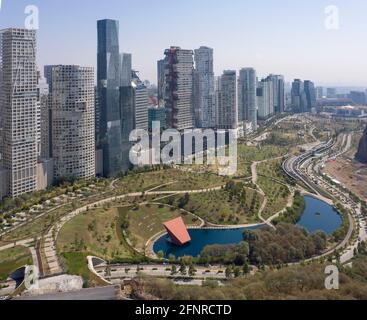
73 139
19 109
177 231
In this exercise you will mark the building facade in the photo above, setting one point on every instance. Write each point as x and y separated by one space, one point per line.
204 96
247 104
227 112
19 108
126 69
73 122
108 84
178 90
265 99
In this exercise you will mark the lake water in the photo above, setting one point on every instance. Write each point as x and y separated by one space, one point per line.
318 215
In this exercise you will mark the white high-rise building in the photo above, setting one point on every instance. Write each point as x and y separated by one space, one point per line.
178 95
227 111
204 94
247 106
141 103
73 122
265 99
19 109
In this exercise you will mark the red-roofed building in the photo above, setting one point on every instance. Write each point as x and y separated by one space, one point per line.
177 231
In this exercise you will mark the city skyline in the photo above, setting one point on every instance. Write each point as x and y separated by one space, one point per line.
277 50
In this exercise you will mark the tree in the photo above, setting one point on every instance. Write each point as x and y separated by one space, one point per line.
173 270
183 270
192 271
228 272
237 272
160 254
246 268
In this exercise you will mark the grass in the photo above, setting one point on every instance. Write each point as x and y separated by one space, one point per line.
12 259
247 155
95 232
147 220
272 169
219 207
139 182
277 195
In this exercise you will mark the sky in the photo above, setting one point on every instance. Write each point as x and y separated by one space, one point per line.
274 36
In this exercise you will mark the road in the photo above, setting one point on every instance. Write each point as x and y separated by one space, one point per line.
307 168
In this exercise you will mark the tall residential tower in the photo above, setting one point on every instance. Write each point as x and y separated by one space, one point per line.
178 95
205 94
18 100
247 106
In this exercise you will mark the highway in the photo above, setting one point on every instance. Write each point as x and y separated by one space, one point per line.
308 168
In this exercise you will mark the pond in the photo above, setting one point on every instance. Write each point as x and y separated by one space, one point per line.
318 215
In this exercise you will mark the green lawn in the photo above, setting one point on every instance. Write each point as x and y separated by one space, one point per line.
219 207
12 259
147 220
95 232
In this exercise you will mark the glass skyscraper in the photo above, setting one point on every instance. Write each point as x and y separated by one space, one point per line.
108 83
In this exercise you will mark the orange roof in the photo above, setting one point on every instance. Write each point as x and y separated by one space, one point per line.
177 231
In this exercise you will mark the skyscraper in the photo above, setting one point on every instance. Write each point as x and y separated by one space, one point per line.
319 92
178 88
227 112
73 122
141 103
126 69
299 100
331 93
161 69
108 83
278 92
204 94
265 98
18 100
310 92
247 106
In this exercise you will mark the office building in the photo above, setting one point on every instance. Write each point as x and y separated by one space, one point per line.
126 69
358 97
156 114
331 93
298 97
108 84
310 93
319 92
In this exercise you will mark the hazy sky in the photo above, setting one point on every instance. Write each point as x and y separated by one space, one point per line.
274 36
